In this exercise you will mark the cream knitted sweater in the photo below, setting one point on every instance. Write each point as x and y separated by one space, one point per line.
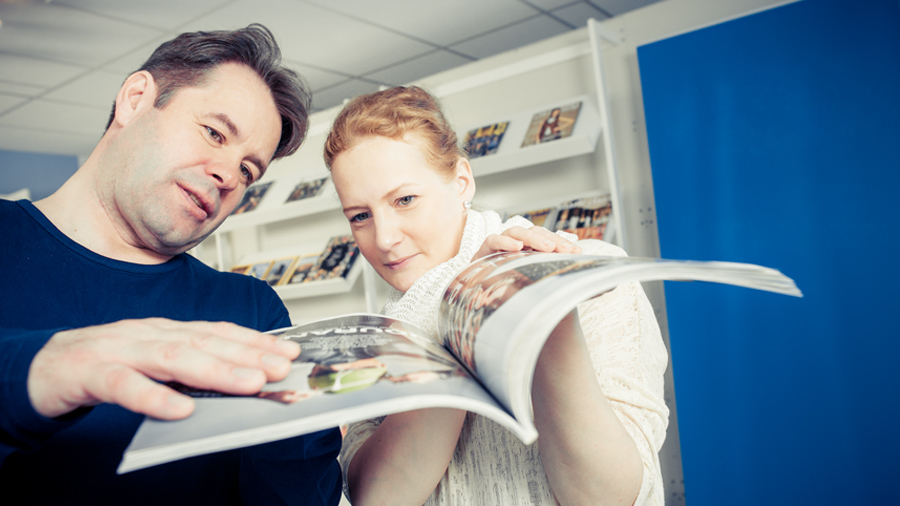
491 466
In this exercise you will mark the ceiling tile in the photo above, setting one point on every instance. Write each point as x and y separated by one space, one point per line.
315 36
437 21
62 61
160 14
616 7
21 90
42 141
98 88
58 117
527 32
134 58
316 78
417 68
336 95
549 5
35 72
58 33
7 102
578 14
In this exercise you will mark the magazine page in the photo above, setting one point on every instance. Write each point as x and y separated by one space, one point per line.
497 314
350 368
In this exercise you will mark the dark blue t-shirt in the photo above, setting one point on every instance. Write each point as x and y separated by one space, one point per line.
50 283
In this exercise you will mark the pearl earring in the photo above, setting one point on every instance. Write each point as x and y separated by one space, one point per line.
467 205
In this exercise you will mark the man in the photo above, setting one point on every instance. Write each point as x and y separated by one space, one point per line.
101 305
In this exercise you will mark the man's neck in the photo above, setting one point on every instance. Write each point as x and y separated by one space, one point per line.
77 211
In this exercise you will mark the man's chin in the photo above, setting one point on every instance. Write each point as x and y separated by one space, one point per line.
175 246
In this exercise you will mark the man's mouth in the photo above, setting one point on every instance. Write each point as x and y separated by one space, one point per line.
200 202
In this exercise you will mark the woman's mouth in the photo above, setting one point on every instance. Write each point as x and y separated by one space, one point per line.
399 264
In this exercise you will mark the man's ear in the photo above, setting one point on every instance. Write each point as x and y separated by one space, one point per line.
465 179
137 93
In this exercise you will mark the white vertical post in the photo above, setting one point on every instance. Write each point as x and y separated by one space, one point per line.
598 33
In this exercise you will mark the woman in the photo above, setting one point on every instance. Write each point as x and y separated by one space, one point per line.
550 127
405 186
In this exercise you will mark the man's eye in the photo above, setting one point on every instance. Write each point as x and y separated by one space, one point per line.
359 217
247 173
216 136
407 200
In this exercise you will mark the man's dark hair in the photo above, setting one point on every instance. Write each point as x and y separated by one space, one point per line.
188 59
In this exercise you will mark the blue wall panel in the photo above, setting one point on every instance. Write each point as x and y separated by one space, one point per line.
774 140
42 173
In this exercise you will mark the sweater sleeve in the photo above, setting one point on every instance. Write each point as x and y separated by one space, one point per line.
630 358
357 434
21 427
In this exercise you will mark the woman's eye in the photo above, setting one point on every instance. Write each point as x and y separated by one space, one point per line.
407 200
359 217
216 136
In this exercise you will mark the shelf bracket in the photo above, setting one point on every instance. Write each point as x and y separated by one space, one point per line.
605 33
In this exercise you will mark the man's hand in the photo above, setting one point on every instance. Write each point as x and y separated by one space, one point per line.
519 238
115 362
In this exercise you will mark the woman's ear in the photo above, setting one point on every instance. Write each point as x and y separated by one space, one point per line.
465 179
137 93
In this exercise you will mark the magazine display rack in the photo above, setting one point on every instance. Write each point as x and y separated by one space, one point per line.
274 208
511 155
577 50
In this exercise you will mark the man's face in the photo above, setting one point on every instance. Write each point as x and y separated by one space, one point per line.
182 169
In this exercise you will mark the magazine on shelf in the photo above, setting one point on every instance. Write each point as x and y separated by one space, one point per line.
552 124
587 217
259 270
336 260
485 140
307 189
277 274
240 269
301 268
493 321
539 217
252 197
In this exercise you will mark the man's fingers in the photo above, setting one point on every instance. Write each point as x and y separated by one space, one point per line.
178 354
249 337
157 349
118 384
97 364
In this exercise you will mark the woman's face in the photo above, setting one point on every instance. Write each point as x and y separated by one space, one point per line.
405 216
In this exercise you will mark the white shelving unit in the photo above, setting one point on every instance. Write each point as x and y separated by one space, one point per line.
322 287
509 87
271 210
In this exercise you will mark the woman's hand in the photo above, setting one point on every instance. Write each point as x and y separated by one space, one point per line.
519 238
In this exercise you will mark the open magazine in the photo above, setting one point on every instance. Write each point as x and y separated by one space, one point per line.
493 321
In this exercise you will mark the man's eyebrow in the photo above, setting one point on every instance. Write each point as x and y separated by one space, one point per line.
233 130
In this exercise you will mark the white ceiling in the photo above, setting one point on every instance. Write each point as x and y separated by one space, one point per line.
62 61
